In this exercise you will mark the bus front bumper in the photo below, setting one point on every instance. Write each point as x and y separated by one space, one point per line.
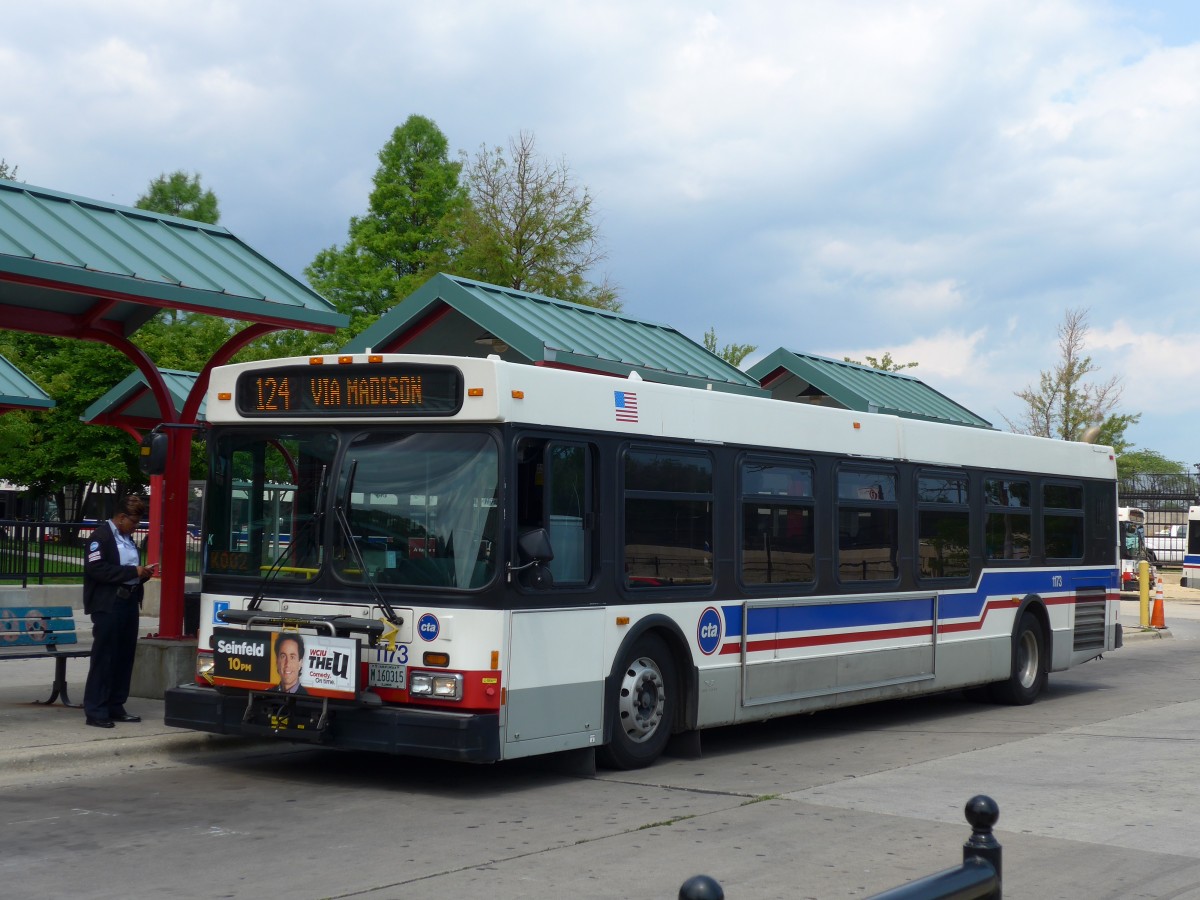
463 737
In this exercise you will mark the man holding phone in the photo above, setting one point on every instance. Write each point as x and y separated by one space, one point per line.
112 595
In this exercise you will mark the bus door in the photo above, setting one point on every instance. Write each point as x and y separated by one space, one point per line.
556 671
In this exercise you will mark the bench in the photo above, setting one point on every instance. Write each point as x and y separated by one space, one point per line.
41 632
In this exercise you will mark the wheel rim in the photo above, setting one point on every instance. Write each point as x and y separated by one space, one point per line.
1027 660
643 700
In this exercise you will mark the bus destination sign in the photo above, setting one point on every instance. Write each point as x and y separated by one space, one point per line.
370 389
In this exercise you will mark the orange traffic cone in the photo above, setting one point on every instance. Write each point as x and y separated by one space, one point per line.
1157 617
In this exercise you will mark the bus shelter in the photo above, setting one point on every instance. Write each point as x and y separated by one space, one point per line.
72 267
18 391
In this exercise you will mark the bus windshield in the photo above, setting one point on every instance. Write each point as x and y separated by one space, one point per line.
263 504
421 509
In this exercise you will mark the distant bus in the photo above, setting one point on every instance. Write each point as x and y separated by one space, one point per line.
1191 555
1131 527
489 560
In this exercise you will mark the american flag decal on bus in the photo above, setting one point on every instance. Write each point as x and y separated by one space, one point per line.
625 405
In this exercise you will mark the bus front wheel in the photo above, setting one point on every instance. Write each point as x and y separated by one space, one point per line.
1028 676
642 707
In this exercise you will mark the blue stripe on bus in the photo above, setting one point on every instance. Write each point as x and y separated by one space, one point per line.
969 604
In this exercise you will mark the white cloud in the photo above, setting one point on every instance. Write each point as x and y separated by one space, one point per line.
940 180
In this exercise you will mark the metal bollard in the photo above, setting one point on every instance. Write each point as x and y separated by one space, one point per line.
978 878
701 887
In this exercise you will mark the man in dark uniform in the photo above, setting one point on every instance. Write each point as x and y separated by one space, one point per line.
112 596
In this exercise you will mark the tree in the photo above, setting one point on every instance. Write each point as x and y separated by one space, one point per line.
884 363
1147 462
731 353
6 171
51 451
408 234
1064 404
531 227
182 195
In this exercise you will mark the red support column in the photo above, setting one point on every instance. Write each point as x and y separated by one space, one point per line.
155 535
174 530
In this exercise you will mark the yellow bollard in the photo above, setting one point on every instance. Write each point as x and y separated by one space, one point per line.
1144 593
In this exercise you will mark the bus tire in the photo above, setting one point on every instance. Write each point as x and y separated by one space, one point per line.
1028 676
641 709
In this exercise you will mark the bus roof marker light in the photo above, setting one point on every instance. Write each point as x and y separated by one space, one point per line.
316 360
345 360
374 357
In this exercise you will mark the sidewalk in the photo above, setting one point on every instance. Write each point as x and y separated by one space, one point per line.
38 741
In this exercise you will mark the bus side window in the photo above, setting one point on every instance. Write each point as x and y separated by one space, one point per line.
554 491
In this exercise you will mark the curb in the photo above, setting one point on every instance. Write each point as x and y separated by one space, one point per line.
20 766
1141 634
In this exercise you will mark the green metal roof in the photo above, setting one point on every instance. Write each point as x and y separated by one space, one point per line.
131 402
805 378
69 263
463 317
17 391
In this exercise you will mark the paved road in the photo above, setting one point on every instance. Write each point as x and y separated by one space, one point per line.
1098 785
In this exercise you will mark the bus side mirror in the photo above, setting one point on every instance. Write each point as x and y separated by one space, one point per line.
534 546
152 455
534 549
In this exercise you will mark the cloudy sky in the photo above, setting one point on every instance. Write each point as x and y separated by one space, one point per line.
940 180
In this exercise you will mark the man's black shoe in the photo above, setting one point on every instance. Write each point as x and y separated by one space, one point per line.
126 717
100 723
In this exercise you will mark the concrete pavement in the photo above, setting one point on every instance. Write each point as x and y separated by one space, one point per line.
38 741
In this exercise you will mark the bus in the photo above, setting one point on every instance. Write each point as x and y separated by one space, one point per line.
1131 523
1191 556
490 560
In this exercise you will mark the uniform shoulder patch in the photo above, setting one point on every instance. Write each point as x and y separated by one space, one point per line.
94 545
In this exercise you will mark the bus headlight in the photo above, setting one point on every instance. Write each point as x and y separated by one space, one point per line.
431 684
204 668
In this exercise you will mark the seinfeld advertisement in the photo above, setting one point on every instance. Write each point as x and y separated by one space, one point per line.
287 662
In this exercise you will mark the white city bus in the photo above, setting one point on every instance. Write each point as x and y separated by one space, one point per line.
523 560
1131 528
1191 553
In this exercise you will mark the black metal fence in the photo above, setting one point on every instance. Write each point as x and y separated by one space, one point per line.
1165 497
52 552
978 878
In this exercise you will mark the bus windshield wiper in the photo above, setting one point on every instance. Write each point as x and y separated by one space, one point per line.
339 515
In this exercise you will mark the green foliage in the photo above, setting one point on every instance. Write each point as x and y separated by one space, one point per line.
1064 404
182 195
1111 432
731 353
408 233
52 452
531 227
884 363
1147 462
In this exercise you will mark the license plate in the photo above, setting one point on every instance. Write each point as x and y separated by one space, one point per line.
386 675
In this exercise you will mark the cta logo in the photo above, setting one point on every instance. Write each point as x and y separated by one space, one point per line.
708 631
428 627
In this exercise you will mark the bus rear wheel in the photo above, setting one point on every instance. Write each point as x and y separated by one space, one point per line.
642 707
1028 676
